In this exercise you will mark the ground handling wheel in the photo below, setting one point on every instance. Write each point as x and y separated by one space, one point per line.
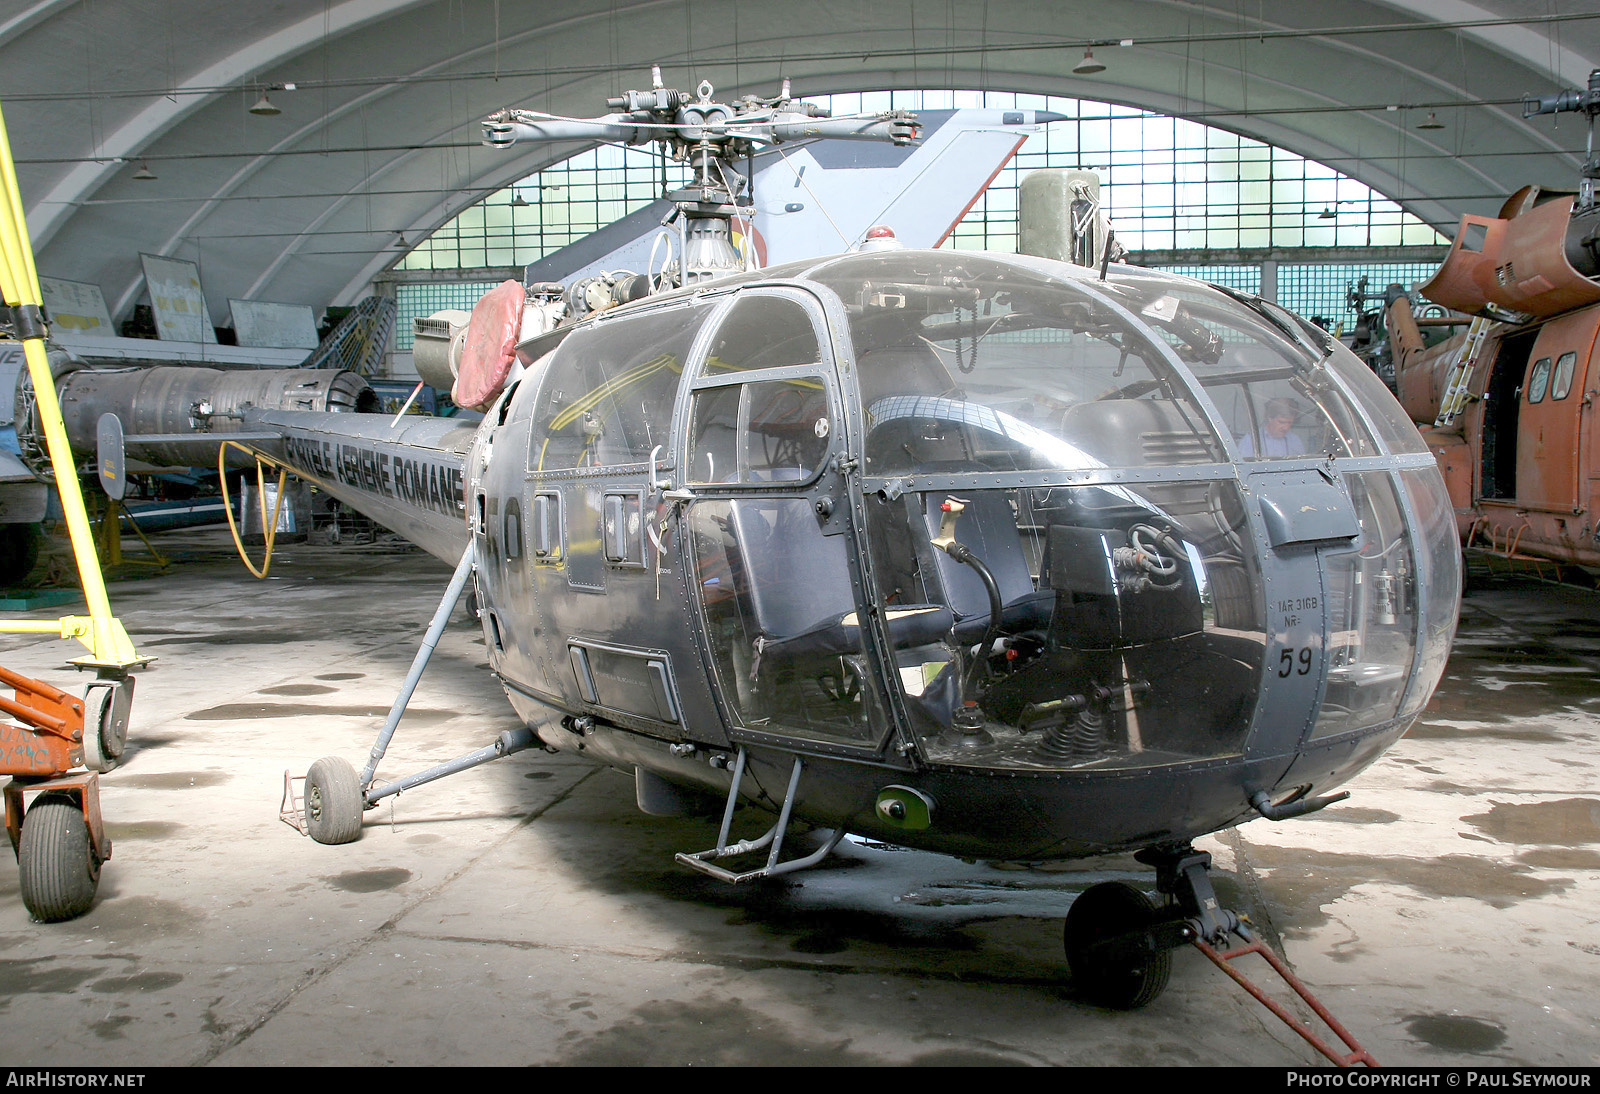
1115 955
58 867
105 722
333 801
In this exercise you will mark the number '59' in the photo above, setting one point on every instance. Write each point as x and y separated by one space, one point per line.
1294 661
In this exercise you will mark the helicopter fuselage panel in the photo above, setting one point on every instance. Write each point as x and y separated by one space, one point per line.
1086 564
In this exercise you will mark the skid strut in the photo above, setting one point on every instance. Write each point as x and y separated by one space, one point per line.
447 604
326 803
704 861
1200 920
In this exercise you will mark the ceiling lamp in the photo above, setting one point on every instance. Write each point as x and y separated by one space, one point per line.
518 201
1327 213
264 107
1088 66
400 240
1431 122
144 174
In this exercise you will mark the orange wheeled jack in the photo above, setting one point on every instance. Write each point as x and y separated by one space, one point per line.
53 815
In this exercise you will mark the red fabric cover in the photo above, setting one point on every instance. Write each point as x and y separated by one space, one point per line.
490 347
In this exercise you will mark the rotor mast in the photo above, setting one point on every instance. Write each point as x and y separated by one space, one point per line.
712 138
1586 102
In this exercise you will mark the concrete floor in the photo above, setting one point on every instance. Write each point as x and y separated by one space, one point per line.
526 913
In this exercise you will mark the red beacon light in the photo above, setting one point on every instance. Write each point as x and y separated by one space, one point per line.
880 237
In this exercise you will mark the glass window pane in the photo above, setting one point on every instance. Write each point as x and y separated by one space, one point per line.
1275 398
1562 380
763 332
1372 613
1538 380
607 396
785 638
992 367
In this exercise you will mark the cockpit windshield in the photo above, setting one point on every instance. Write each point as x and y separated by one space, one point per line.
1267 377
1046 469
974 361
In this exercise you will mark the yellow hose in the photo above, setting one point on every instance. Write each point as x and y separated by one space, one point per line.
269 529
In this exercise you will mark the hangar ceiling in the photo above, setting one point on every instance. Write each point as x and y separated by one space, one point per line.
379 99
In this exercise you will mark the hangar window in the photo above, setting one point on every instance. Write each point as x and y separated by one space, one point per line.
1171 186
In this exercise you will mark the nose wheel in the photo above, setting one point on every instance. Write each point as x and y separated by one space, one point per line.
1119 946
1113 950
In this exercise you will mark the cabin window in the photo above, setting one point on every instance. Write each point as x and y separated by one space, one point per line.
762 431
1103 656
1561 380
1372 612
548 533
607 396
781 619
763 332
1539 380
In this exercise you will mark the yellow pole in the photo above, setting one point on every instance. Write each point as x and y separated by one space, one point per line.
107 641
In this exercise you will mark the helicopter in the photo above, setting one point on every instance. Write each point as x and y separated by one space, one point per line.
1498 378
990 555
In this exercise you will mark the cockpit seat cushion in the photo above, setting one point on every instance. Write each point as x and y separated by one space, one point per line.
490 347
989 529
795 583
909 626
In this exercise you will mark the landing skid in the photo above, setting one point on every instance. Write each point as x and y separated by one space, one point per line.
705 861
1119 945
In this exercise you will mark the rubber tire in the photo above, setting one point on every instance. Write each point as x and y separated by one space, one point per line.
103 748
58 868
333 801
94 754
1129 973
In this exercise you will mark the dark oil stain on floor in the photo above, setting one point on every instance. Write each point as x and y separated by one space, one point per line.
705 1034
144 915
1569 822
40 976
342 676
1427 731
1302 884
1559 858
246 712
1354 814
173 780
110 1029
138 982
370 881
1456 1032
298 689
136 830
957 1057
234 637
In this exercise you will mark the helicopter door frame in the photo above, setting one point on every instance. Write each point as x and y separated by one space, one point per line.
827 491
